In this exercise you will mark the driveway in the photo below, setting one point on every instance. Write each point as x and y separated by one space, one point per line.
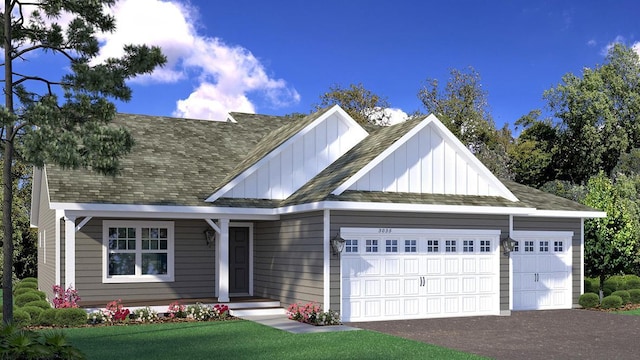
549 334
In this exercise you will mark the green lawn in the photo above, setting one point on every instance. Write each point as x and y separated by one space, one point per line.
245 340
629 312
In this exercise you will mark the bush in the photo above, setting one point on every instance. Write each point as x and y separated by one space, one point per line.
34 312
21 317
23 290
29 279
70 317
611 302
29 285
22 299
589 300
590 286
16 343
624 295
607 291
145 315
616 282
632 282
47 317
43 304
634 294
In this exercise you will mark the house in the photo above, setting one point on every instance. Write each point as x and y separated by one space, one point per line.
426 227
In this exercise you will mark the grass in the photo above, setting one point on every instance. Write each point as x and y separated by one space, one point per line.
630 312
245 340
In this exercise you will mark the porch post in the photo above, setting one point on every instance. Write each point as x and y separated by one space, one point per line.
69 251
223 274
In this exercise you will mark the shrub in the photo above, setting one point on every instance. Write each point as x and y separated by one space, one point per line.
47 317
34 312
590 286
29 279
177 310
634 295
616 282
43 304
22 299
199 312
16 343
28 285
624 295
632 282
23 290
611 302
70 317
589 300
607 291
21 317
145 315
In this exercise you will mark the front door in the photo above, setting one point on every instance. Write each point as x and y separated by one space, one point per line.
239 260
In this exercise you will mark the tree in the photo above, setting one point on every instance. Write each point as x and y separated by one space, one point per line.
597 116
611 243
361 104
463 108
65 121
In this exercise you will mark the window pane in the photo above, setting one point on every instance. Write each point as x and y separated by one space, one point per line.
131 233
163 233
122 232
132 245
153 233
145 244
154 244
163 244
145 233
153 264
122 264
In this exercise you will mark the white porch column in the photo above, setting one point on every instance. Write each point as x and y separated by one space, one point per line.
69 251
223 273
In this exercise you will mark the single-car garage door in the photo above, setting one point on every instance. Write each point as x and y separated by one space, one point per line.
541 265
390 273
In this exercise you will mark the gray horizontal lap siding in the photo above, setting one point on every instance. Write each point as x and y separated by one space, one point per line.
46 246
419 221
288 258
559 224
194 267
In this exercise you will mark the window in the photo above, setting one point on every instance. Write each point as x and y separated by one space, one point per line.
467 246
544 246
528 246
351 246
432 246
391 245
450 246
137 251
558 246
410 246
485 245
371 246
516 247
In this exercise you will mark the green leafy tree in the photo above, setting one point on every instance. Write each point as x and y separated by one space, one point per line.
64 121
597 116
361 104
611 243
463 107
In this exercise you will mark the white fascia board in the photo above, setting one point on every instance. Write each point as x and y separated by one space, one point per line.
164 211
568 214
505 192
274 152
383 155
36 188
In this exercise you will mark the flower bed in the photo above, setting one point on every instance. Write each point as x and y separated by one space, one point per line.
311 313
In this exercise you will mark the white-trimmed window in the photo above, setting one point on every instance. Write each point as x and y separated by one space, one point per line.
558 246
410 246
450 246
433 246
371 246
485 245
391 246
467 246
137 251
544 246
351 246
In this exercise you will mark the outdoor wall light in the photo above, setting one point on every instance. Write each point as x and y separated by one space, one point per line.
508 244
337 244
209 236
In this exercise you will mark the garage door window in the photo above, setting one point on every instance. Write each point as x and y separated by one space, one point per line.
467 246
372 246
410 246
485 245
557 246
351 246
528 246
392 246
450 246
544 246
432 246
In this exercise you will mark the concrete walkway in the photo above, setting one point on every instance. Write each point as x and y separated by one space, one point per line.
285 324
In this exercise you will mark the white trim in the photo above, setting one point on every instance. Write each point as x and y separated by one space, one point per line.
274 152
83 223
180 212
581 256
326 258
36 191
213 225
138 278
526 234
248 225
360 231
58 247
569 214
510 266
69 252
223 273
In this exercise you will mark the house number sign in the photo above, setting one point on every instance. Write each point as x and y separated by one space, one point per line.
384 231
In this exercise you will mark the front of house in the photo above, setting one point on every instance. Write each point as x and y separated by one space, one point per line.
423 221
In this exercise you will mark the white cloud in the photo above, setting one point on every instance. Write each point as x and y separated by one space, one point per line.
636 47
592 42
224 74
395 115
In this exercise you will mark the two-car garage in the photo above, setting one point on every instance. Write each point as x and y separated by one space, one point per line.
396 273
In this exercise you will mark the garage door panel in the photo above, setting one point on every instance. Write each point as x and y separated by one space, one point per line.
411 286
411 306
433 286
469 304
411 266
433 266
451 285
469 265
372 309
451 266
371 266
391 287
469 285
372 288
392 308
486 285
392 266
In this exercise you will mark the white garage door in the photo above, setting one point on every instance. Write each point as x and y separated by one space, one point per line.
390 274
541 265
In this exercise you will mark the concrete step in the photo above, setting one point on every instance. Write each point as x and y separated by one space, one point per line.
253 304
257 311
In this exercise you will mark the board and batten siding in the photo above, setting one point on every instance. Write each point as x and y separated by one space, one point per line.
559 224
288 258
194 267
419 221
301 160
46 244
442 170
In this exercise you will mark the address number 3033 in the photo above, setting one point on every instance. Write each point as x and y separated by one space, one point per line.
384 231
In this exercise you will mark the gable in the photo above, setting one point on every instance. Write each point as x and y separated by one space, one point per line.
429 159
296 160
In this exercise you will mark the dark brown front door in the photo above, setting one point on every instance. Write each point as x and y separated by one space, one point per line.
238 260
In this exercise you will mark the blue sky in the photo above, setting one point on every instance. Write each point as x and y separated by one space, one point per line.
278 57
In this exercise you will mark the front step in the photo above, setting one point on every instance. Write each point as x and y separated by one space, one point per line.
257 311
